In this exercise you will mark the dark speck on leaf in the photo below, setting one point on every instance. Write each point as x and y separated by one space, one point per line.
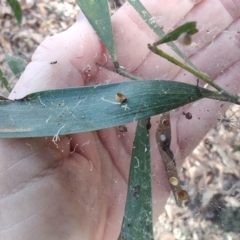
136 190
148 125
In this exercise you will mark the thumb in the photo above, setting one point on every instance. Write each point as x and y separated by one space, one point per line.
61 60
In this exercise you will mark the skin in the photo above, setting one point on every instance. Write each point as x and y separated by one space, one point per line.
78 190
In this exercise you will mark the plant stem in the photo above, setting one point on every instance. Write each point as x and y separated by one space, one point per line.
120 71
232 98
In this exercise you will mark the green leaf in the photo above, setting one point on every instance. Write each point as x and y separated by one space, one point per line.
73 110
4 81
147 17
189 27
16 64
137 221
236 149
98 14
16 8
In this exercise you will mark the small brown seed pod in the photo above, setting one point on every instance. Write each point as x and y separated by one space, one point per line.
120 97
183 195
185 39
165 122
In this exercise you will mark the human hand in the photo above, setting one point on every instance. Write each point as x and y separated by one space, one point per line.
78 190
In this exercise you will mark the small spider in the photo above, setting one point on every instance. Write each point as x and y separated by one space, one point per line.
229 122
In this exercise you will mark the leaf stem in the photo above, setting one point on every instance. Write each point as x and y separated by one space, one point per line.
231 97
120 71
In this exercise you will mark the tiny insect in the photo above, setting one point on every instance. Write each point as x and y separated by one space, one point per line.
122 128
228 122
136 190
54 62
120 97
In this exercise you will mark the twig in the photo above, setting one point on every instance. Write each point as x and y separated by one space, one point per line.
221 92
163 137
120 71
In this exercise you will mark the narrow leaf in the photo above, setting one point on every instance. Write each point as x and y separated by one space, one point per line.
16 8
97 13
137 221
189 27
73 110
147 17
16 64
163 138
